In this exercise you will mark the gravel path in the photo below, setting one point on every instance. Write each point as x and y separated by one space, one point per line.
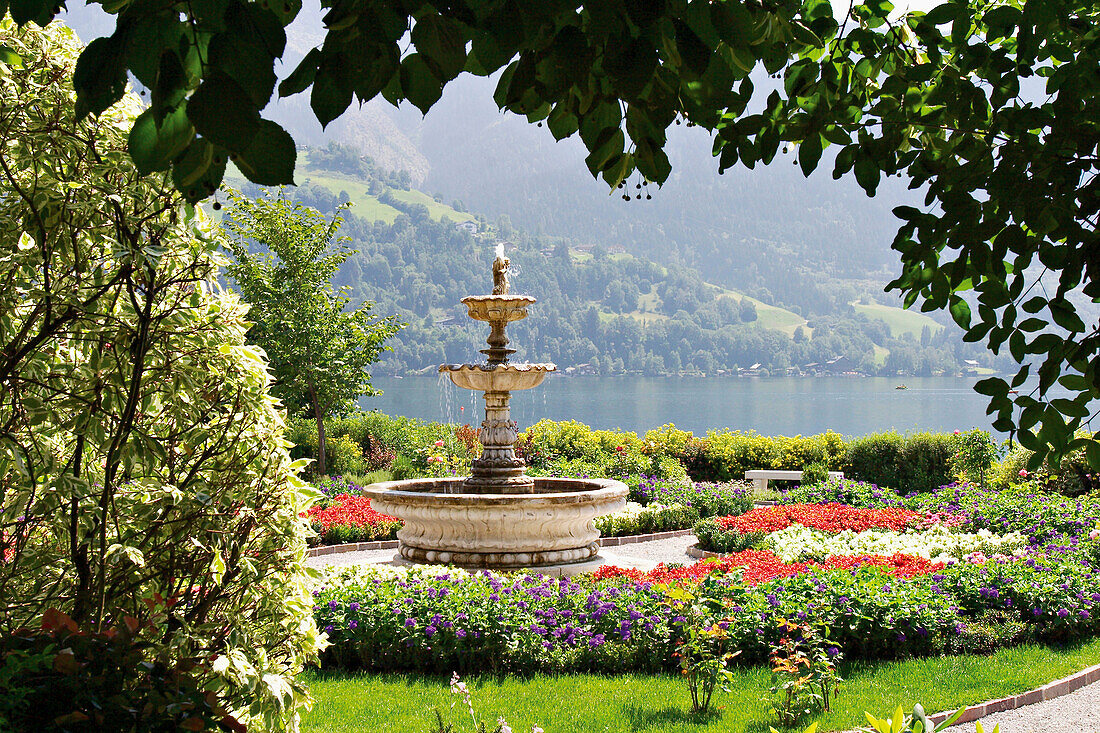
1077 712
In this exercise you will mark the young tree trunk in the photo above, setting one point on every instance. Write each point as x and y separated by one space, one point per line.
320 418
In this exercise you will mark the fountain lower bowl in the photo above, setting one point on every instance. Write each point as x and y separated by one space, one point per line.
497 378
552 526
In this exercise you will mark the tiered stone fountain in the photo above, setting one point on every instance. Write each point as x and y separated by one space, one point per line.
498 517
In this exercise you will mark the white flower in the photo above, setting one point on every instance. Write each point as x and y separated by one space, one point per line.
938 543
504 727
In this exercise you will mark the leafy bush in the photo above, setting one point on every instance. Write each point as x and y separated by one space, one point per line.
1073 476
975 454
815 473
713 538
142 456
918 462
59 678
726 455
989 632
638 519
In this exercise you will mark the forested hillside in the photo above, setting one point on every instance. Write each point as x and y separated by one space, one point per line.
601 309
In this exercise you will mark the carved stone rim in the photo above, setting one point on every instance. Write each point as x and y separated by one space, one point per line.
547 367
436 491
514 299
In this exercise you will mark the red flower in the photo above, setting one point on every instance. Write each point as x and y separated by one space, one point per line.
758 566
824 517
347 509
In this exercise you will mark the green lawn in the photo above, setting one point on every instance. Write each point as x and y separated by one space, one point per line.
659 703
898 319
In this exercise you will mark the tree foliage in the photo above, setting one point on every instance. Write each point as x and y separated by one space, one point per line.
144 479
319 351
942 97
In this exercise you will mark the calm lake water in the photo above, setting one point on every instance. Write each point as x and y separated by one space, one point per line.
775 406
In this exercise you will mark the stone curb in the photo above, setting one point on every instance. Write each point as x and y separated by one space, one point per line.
698 553
392 544
1049 691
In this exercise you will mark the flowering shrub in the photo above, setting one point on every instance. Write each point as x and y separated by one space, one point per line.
333 486
938 543
842 491
708 499
349 518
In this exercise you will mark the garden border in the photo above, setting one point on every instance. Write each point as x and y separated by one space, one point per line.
392 544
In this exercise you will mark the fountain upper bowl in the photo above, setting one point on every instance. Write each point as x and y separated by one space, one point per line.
498 377
505 308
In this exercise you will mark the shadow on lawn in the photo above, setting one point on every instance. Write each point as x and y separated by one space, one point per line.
642 718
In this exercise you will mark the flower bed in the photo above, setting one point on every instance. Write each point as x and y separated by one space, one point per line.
877 604
617 621
824 517
349 518
939 543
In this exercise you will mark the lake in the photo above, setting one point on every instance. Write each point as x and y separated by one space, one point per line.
773 406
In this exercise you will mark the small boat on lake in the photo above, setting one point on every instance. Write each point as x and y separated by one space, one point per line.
901 386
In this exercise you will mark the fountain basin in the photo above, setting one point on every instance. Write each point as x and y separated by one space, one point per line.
552 526
497 377
501 308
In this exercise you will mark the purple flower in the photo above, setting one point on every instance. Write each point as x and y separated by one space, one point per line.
410 623
332 605
1062 613
353 606
353 624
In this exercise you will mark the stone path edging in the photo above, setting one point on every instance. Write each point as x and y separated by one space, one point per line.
1049 691
392 544
699 553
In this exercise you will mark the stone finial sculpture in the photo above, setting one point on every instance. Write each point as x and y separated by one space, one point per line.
500 275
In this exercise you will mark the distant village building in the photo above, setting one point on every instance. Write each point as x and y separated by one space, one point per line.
469 226
840 365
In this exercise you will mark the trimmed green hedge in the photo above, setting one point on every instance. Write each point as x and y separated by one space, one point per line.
920 462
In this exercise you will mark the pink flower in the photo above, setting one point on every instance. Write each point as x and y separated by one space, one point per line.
1023 473
956 432
1094 534
438 444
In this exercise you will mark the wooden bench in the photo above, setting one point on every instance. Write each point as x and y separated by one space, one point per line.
760 478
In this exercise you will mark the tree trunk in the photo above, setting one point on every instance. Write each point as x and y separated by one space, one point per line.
320 418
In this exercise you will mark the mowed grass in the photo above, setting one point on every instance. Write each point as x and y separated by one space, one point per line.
899 320
394 703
